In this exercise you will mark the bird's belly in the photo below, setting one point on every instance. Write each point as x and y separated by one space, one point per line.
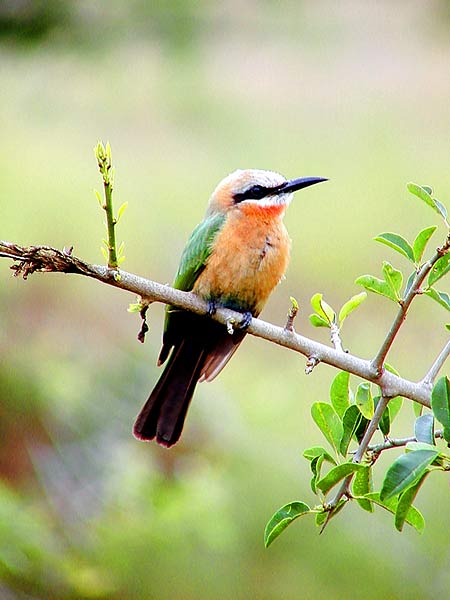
247 262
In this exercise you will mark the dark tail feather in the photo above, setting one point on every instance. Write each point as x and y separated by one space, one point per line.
164 412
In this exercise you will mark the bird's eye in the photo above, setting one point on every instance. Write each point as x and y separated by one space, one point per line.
256 192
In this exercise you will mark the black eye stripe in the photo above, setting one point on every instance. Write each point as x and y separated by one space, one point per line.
256 192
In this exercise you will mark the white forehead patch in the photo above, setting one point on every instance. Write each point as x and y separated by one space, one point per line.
243 179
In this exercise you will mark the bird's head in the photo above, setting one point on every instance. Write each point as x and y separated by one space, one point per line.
256 188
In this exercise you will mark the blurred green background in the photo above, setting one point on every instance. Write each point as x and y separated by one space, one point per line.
186 92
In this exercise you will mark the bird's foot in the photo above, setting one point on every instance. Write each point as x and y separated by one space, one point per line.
212 308
246 320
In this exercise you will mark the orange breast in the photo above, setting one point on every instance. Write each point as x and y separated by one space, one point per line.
249 258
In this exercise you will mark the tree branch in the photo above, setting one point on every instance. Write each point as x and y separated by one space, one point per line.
335 334
378 361
47 259
371 429
437 365
398 442
359 454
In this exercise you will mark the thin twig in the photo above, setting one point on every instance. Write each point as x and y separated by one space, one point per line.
335 334
359 454
103 156
437 365
398 442
293 312
378 361
311 364
371 429
47 259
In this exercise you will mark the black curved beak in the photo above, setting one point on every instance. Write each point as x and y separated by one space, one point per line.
298 184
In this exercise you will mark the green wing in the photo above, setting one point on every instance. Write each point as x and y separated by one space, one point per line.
196 252
193 261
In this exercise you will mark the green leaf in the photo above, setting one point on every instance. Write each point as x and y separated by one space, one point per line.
440 268
385 421
391 369
350 306
413 517
121 210
315 303
317 321
424 429
394 407
394 279
361 428
316 465
337 474
405 470
282 518
442 210
413 446
362 485
351 423
405 501
440 404
321 518
378 286
323 309
314 451
364 400
441 298
328 311
424 193
340 393
99 198
396 242
328 422
421 241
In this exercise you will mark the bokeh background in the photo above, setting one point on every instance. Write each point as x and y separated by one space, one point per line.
187 91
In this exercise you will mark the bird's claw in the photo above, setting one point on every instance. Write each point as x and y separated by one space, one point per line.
246 320
231 323
212 308
233 326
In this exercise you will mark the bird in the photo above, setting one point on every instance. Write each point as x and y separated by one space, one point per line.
233 259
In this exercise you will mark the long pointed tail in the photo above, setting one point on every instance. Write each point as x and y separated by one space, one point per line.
164 412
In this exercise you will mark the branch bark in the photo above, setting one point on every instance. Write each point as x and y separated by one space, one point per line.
46 259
